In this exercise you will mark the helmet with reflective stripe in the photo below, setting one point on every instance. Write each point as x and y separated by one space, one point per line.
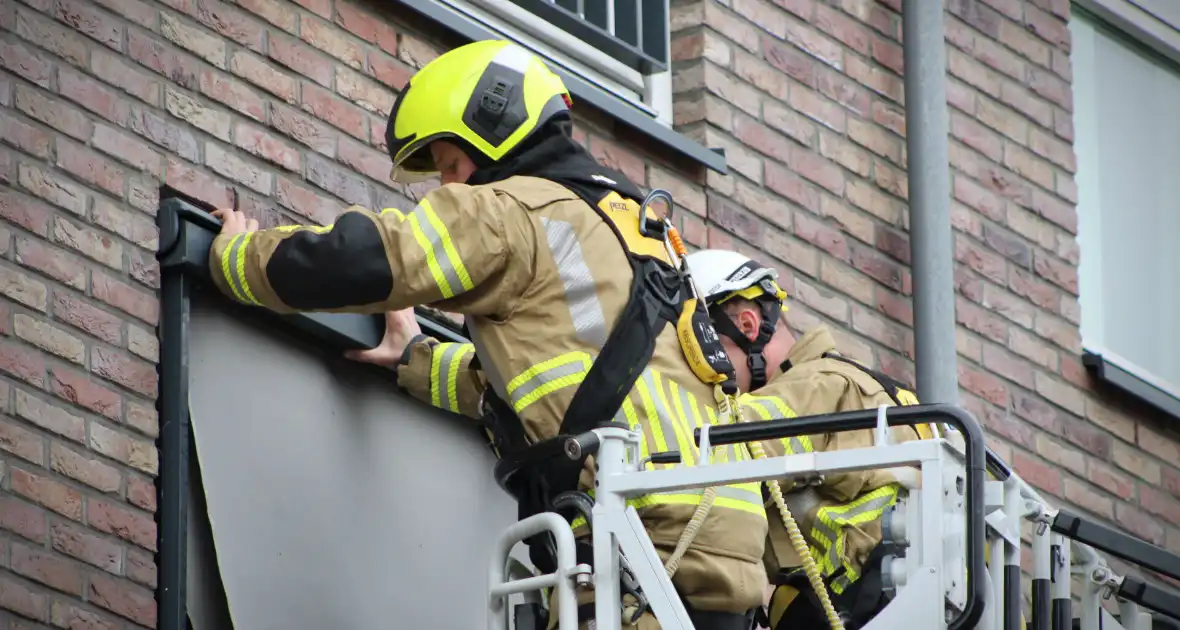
723 275
487 97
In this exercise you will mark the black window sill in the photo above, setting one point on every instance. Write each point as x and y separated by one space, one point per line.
583 91
1111 373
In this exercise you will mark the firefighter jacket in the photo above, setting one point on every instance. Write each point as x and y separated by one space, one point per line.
841 516
541 278
440 374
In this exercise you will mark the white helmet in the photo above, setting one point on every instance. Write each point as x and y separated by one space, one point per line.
722 275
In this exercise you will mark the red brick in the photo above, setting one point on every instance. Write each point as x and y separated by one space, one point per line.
893 243
123 598
52 37
141 567
801 257
826 302
1083 496
620 158
91 472
981 321
49 338
415 51
132 226
1056 271
846 154
786 183
21 442
47 569
266 146
194 39
265 76
121 369
822 236
1004 364
336 111
230 165
21 518
127 149
91 94
843 27
53 112
1114 482
18 597
142 493
53 188
25 137
371 28
367 94
95 24
181 70
121 447
850 220
195 182
305 202
1133 521
272 11
730 217
90 167
66 614
290 53
364 160
231 23
76 312
1024 284
304 129
331 40
233 93
208 119
143 343
877 267
24 62
391 72
1037 473
76 542
47 493
895 306
164 133
134 10
90 243
129 525
877 328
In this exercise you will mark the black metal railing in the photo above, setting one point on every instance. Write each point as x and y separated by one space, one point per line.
634 32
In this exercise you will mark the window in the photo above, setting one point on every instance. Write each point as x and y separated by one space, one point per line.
621 46
1127 139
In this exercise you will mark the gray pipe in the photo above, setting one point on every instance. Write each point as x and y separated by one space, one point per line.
929 190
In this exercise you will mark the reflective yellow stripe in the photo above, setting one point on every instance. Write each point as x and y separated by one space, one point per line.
774 408
233 267
445 360
653 418
226 267
429 228
431 259
547 377
829 533
395 212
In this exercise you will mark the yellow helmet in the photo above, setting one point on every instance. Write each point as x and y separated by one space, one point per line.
487 97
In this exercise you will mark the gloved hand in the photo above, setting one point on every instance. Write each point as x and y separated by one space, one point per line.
400 327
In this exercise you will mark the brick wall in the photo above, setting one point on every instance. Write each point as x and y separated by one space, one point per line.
102 103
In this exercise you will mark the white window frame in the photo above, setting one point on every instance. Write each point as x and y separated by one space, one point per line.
1156 25
651 94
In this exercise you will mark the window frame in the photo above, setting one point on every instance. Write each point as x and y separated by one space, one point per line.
1151 34
580 67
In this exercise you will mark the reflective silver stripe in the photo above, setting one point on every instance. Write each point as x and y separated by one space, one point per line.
493 375
438 251
580 292
236 278
826 536
795 444
574 366
444 371
667 424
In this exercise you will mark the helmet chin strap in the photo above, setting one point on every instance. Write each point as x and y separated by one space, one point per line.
753 348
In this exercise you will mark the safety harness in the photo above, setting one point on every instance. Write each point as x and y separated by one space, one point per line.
660 294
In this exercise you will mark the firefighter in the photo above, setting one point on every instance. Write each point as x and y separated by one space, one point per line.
787 377
565 294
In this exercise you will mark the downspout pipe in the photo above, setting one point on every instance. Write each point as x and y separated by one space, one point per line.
931 241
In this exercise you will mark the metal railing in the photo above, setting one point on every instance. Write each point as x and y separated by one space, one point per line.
634 32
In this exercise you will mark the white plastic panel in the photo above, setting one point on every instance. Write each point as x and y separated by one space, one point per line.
334 501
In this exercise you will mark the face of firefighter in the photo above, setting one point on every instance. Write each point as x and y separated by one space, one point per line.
748 319
453 164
